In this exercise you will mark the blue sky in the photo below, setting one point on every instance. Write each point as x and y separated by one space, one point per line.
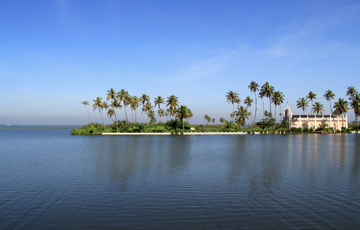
55 54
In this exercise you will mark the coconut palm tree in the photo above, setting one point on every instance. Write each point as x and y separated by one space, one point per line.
173 102
182 113
238 102
341 107
262 95
311 96
351 91
146 108
151 115
207 118
115 105
98 105
144 99
134 104
328 96
248 102
277 98
222 120
281 100
158 101
87 103
167 114
110 114
232 97
318 108
213 120
241 114
267 114
302 103
355 105
161 113
111 94
254 87
189 115
268 91
124 97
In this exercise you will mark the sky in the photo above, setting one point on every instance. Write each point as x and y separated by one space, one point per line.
55 54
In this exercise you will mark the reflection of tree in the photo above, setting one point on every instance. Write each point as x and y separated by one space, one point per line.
258 160
355 169
123 160
178 152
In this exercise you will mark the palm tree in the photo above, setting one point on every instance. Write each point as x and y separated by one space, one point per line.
238 102
267 114
355 105
161 113
167 114
351 91
115 104
189 115
98 105
302 103
207 118
311 96
341 107
134 104
87 103
124 97
318 108
151 115
253 88
277 98
144 99
262 95
248 102
268 91
242 114
281 100
213 120
232 97
111 94
158 101
182 113
173 103
110 114
328 96
222 120
146 108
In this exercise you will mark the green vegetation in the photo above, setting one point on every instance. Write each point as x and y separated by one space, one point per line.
124 127
180 114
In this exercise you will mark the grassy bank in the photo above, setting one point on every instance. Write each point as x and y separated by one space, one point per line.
176 127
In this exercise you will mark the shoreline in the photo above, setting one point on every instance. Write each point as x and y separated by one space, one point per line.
202 133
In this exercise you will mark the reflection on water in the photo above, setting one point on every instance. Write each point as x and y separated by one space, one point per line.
53 180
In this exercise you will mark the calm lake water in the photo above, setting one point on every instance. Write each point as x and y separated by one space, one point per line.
52 180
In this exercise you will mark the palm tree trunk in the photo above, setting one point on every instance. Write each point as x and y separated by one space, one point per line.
88 113
127 121
263 107
270 104
255 108
132 115
233 112
102 118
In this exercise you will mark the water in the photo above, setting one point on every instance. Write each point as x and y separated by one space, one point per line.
52 180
